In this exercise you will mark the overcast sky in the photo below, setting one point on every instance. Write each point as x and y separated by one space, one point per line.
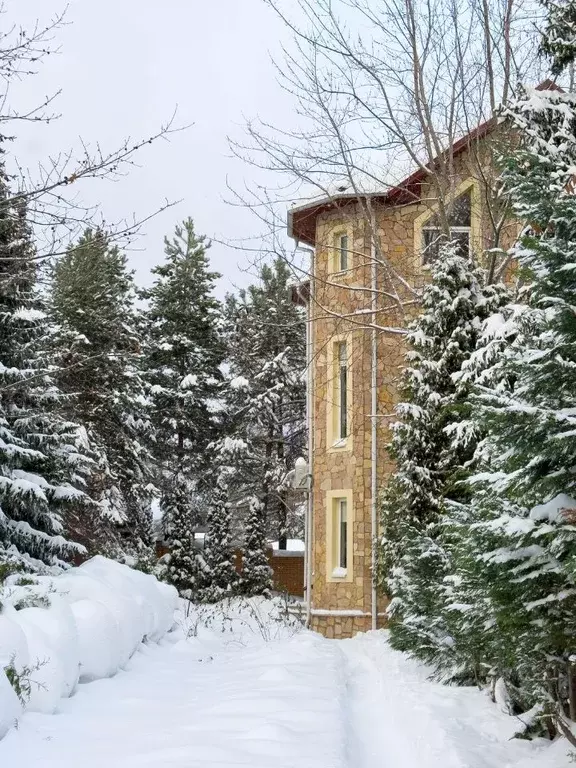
123 66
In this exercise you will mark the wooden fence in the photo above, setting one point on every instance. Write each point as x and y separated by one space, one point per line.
287 568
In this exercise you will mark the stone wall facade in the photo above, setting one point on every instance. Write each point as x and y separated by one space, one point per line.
340 627
340 309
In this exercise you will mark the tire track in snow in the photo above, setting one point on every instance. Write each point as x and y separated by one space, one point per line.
398 719
385 731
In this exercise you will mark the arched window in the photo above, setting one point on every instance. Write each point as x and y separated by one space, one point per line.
460 222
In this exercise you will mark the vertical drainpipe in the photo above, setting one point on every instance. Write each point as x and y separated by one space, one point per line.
374 420
309 527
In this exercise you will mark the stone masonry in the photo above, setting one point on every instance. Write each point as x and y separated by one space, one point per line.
339 309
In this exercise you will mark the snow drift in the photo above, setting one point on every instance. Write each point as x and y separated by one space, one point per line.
85 624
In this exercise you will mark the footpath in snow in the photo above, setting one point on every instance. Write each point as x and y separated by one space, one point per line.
241 688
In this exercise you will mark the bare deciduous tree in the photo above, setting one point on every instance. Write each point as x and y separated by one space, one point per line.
51 192
383 88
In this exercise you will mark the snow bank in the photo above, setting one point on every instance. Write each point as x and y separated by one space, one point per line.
59 631
10 707
292 545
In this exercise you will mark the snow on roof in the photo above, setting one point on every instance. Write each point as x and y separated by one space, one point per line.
292 545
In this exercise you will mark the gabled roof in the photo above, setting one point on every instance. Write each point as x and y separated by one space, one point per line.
302 218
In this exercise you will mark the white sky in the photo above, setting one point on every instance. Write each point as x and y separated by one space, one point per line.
123 66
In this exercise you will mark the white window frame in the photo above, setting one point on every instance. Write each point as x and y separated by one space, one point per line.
336 265
342 390
335 440
466 230
470 185
342 522
343 252
337 502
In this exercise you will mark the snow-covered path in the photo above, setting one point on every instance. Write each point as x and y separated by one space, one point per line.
198 703
222 700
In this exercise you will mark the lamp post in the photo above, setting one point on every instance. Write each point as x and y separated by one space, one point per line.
300 479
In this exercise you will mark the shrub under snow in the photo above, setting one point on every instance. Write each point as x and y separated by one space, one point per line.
85 624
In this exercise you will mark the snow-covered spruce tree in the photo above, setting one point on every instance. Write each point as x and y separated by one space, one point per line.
183 355
43 465
98 349
430 459
239 456
525 505
558 42
467 610
256 572
266 394
216 564
178 525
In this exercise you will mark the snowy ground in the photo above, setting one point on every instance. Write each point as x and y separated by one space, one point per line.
248 691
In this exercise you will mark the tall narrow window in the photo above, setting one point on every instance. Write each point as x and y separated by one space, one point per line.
459 221
342 533
342 390
339 529
343 253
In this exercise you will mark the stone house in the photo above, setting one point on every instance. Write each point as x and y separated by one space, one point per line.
369 258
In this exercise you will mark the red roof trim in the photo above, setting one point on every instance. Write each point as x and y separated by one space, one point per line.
302 221
549 85
398 193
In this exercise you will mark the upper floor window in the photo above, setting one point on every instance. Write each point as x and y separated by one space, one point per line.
460 223
343 253
339 395
340 258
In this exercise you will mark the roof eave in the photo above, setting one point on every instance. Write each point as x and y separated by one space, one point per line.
322 203
396 195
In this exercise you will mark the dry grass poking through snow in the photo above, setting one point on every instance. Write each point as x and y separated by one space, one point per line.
240 619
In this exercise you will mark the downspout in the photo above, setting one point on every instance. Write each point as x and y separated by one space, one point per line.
374 424
309 527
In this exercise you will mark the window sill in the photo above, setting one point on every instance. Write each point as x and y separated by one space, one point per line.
338 446
339 275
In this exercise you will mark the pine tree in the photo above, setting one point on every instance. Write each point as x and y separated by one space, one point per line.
98 348
559 38
430 449
472 588
43 464
520 553
256 572
184 354
266 400
217 563
239 460
179 525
